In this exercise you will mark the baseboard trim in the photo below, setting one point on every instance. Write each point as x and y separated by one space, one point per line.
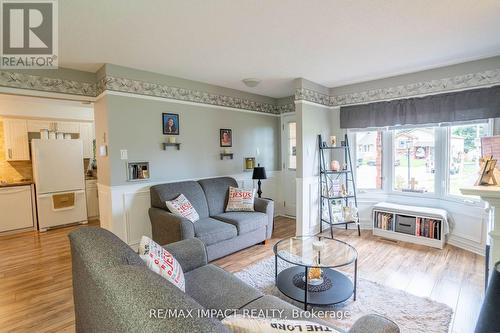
465 244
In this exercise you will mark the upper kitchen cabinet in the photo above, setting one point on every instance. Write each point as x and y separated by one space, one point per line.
56 126
38 125
16 139
67 127
87 136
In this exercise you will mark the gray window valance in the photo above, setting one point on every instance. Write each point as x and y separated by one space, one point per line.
466 105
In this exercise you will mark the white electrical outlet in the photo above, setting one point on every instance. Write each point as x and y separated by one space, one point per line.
124 154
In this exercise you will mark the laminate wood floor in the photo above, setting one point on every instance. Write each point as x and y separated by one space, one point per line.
36 292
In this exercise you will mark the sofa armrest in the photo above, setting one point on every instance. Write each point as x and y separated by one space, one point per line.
190 253
267 207
168 228
373 323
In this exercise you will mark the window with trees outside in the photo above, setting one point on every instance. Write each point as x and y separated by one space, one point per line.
436 160
369 160
414 151
464 153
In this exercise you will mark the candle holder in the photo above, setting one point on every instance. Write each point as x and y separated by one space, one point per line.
315 274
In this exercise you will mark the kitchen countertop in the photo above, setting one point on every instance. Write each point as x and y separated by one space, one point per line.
20 183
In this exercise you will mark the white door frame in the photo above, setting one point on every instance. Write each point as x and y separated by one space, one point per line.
288 179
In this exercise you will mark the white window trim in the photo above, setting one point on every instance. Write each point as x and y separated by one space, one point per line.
447 195
392 191
442 146
351 136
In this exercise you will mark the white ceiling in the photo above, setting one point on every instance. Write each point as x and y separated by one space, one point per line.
329 42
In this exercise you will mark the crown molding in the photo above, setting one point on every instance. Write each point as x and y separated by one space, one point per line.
456 83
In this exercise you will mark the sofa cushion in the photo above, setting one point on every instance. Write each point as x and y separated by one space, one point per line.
160 261
191 190
240 200
216 191
181 206
248 324
211 231
244 221
268 302
215 288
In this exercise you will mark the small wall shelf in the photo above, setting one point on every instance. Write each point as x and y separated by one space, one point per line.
168 144
229 155
137 171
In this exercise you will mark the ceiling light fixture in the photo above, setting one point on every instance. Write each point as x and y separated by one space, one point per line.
251 82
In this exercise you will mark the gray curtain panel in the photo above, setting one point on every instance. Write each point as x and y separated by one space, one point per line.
442 108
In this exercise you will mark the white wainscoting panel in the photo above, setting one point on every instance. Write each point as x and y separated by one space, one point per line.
136 215
467 221
307 206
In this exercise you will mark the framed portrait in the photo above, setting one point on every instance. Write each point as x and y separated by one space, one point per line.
226 137
170 123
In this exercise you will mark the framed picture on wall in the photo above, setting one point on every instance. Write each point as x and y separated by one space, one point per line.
170 123
226 137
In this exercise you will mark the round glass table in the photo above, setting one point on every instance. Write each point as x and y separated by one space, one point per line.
313 260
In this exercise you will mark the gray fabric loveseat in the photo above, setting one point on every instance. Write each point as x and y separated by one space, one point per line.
222 233
115 292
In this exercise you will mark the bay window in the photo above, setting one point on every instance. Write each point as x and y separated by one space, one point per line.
414 151
435 160
369 160
464 152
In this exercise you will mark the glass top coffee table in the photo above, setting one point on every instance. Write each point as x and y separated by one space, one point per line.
314 259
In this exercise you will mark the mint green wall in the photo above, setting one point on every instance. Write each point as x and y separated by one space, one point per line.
135 124
171 81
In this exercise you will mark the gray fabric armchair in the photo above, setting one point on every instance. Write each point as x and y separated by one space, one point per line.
221 232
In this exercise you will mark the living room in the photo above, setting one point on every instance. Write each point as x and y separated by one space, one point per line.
295 169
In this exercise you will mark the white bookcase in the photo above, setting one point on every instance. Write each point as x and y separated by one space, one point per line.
407 213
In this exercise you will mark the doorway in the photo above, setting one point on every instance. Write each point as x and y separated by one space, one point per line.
289 163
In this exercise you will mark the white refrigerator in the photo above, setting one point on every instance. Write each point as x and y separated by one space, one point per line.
59 182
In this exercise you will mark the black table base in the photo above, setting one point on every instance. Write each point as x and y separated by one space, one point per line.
337 286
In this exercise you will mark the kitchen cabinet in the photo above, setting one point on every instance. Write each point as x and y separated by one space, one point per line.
92 199
16 139
16 207
56 126
37 125
87 135
67 127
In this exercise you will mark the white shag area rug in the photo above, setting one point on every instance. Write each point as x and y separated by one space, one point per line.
412 313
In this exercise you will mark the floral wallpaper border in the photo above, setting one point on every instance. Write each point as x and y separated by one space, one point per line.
110 83
54 85
158 90
490 77
40 83
309 95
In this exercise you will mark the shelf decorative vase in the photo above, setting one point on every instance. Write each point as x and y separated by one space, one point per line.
335 165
